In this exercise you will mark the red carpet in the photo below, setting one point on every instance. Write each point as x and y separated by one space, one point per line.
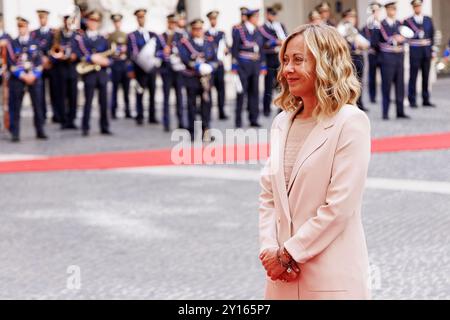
113 160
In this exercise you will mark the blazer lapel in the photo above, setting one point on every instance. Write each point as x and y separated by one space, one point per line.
313 142
279 166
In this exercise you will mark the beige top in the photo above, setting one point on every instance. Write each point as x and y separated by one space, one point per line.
298 132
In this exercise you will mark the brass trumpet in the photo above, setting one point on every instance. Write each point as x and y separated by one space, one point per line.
85 67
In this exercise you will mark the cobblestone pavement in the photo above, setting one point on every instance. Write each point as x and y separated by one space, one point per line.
142 235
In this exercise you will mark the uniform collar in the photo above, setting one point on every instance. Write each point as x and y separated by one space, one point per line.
199 41
92 34
24 39
250 27
418 18
390 22
44 29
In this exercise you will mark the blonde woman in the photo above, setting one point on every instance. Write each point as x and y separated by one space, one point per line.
312 241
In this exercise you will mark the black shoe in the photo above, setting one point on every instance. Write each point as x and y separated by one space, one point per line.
70 126
238 126
106 132
41 136
403 117
128 115
15 139
139 122
56 120
114 116
385 117
413 105
223 117
429 105
374 101
255 125
153 121
85 133
166 129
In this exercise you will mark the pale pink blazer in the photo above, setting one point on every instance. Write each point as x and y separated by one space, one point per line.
318 217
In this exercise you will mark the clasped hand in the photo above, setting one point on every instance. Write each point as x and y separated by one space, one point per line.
275 270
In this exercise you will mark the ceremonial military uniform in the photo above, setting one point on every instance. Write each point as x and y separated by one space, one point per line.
248 62
119 69
24 58
218 38
170 72
65 71
420 55
198 54
136 41
274 34
373 55
88 44
392 60
44 37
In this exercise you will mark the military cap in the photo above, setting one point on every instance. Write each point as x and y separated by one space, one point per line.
349 13
390 4
212 14
323 6
140 10
116 17
243 10
21 21
251 12
416 3
196 23
94 15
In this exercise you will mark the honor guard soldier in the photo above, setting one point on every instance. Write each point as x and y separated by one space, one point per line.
136 42
181 26
199 56
357 45
63 58
373 23
93 52
170 71
5 40
219 40
243 11
324 10
44 36
248 63
391 45
420 53
274 34
119 67
25 65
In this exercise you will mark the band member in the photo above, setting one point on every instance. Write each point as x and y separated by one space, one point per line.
63 58
170 71
92 48
198 54
420 53
314 17
357 45
373 23
219 40
25 65
136 42
248 63
182 26
119 67
391 45
274 33
243 11
324 10
44 36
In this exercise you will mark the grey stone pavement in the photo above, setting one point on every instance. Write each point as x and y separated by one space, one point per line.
192 234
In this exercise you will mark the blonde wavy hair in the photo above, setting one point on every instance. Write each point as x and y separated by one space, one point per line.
336 81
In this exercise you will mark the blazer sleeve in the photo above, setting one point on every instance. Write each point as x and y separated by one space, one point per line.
267 215
344 194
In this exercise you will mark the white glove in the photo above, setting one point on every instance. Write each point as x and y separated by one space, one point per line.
205 69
